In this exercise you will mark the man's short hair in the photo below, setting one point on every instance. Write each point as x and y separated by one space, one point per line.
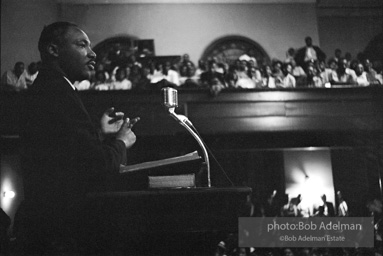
53 33
19 63
331 61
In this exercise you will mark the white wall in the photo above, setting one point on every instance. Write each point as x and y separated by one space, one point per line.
190 28
21 25
176 28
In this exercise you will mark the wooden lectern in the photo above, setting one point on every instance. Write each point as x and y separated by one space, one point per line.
186 221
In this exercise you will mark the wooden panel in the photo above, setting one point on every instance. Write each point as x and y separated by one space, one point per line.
230 111
302 94
235 109
331 108
277 124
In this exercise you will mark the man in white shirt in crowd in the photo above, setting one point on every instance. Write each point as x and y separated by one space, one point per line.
14 80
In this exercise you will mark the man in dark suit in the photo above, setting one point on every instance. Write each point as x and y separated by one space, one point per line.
327 209
64 156
309 53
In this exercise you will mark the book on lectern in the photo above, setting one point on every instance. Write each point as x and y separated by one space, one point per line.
171 172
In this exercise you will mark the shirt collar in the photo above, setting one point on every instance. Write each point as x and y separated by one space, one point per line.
73 87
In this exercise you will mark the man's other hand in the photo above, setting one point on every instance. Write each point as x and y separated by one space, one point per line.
111 121
125 133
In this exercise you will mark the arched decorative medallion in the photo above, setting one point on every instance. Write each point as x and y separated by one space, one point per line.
230 48
115 51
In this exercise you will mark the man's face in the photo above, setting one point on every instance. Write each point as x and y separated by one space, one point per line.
359 69
310 71
309 41
368 64
333 65
19 69
322 66
324 198
289 69
75 55
342 65
338 53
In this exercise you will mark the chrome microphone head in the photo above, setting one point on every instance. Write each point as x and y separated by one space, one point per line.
170 97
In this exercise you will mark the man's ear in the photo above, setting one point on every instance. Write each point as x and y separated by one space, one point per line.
53 50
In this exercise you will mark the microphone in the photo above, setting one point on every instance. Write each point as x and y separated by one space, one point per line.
170 97
170 101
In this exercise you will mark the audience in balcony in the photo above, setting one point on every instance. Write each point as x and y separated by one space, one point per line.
185 61
371 74
189 77
361 75
246 76
31 73
306 68
297 71
309 53
313 80
171 75
277 70
290 54
220 66
348 57
121 81
202 67
337 54
158 73
83 85
135 75
268 80
288 80
100 82
255 76
211 77
142 81
343 74
14 80
325 72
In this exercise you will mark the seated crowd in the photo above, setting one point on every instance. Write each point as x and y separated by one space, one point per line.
215 74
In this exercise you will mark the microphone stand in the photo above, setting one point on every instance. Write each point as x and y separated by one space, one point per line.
184 121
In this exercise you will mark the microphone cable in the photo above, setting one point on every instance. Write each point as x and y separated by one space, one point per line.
211 153
170 101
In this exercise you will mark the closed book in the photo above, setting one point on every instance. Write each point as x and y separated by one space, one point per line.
172 181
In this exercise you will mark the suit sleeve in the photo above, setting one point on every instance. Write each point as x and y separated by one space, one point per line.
79 138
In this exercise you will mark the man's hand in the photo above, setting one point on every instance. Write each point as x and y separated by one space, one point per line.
111 121
126 134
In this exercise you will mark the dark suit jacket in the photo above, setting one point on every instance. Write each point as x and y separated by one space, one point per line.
330 210
63 155
63 158
208 78
301 53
